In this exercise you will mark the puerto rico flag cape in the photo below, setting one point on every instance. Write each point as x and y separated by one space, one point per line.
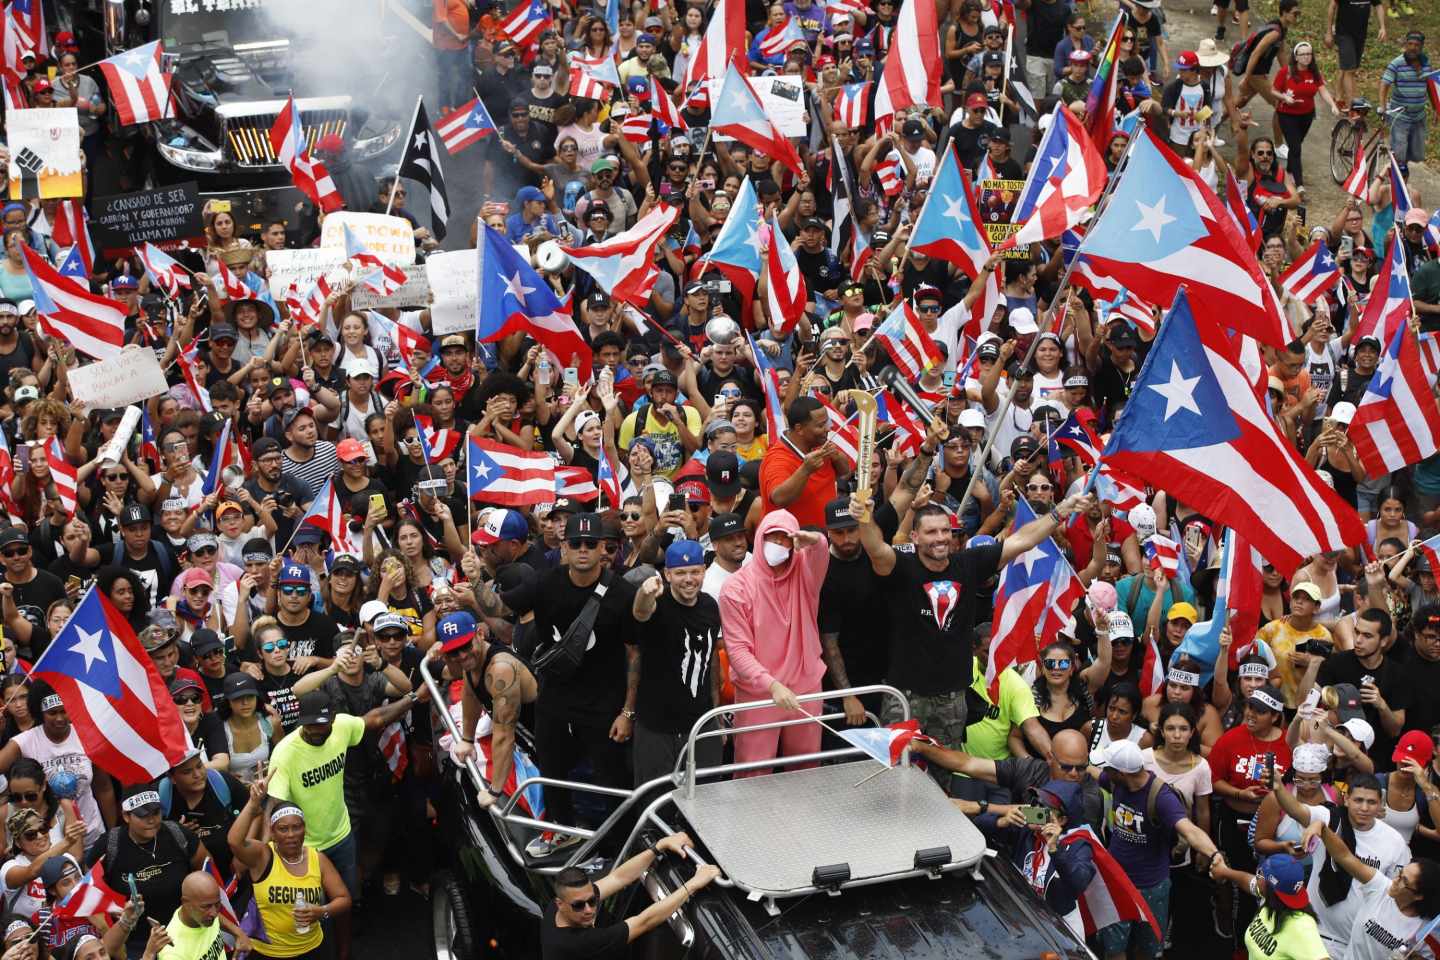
1111 896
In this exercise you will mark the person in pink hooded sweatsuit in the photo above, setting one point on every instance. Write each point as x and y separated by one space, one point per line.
768 613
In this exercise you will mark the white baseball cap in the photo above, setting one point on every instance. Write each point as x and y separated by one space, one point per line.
371 609
1121 755
971 417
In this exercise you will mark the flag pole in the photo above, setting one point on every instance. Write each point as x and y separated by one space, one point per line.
1060 291
395 184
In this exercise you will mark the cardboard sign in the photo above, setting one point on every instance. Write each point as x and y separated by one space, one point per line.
453 282
132 377
166 217
782 97
300 268
392 239
997 202
44 152
415 292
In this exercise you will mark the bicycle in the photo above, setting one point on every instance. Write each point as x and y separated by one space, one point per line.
1353 129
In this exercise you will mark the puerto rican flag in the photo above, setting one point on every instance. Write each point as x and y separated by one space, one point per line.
907 435
392 748
1383 314
912 62
1140 313
950 228
526 22
890 175
69 312
785 293
1430 355
852 105
513 297
885 745
1111 896
1431 549
1358 183
149 449
29 16
164 270
577 483
738 112
1023 605
843 433
636 127
138 84
737 250
310 308
436 444
1066 177
469 124
1313 274
92 895
1240 213
607 479
777 41
1118 488
665 110
775 422
1397 422
232 286
287 139
72 229
327 513
65 475
221 457
7 476
905 338
622 264
117 702
1077 435
593 78
187 357
500 474
1163 554
389 277
227 890
405 338
1152 669
722 43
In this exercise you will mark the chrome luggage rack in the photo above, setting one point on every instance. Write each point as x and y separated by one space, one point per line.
776 835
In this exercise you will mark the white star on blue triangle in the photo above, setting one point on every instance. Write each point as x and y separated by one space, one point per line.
136 62
1384 379
483 470
1036 565
85 649
1150 214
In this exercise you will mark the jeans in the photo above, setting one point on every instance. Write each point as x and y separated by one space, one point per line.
345 857
1407 139
1116 938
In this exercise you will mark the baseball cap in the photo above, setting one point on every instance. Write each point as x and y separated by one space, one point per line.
1347 701
1286 879
1077 380
371 609
12 535
1121 755
455 631
389 621
135 513
694 490
204 641
315 708
1267 697
976 101
989 350
1309 589
502 525
604 163
913 129
663 378
1414 745
1124 335
238 685
1079 56
865 321
453 340
722 471
1343 412
1416 217
528 194
584 526
1182 611
726 525
1187 60
684 553
346 561
201 540
220 331
294 573
349 450
363 367
1360 731
812 223
183 682
837 515
563 505
864 47
971 417
1024 446
309 533
27 393
1022 320
1121 625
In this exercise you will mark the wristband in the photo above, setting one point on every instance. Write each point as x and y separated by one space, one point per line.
464 739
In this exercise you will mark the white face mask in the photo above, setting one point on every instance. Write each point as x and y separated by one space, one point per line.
776 553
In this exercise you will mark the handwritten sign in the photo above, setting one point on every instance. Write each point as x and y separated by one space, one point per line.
132 377
414 293
392 239
165 217
453 283
300 268
44 152
783 98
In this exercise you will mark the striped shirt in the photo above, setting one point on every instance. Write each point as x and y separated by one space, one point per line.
1407 85
315 471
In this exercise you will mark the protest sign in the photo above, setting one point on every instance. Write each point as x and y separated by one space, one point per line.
392 239
453 284
132 377
415 292
783 98
997 210
166 217
299 268
44 147
114 448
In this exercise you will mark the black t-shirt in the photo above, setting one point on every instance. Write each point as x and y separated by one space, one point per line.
210 819
1047 27
972 142
277 693
927 656
542 123
210 735
157 572
34 598
610 942
1353 17
677 655
1110 386
290 490
313 638
598 686
851 605
160 867
1393 681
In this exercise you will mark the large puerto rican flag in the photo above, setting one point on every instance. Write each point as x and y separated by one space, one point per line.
738 112
68 311
623 264
1066 177
120 708
1313 274
1111 896
138 85
1397 422
1033 590
723 40
912 62
501 474
287 139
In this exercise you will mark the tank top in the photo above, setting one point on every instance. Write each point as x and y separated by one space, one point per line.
492 650
243 765
275 895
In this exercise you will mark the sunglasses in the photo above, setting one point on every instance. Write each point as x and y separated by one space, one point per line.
1122 641
1039 488
218 652
630 516
1058 664
29 796
586 544
199 591
585 904
32 835
294 591
187 700
1070 767
205 551
16 552
115 476
274 645
928 309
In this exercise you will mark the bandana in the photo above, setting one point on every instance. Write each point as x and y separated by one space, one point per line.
136 801
459 383
286 810
189 614
1267 701
1260 670
51 702
1183 677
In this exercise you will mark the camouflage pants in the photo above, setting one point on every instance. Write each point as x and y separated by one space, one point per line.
941 715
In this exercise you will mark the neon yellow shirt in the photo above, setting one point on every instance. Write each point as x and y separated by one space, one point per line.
1297 939
989 738
193 943
313 778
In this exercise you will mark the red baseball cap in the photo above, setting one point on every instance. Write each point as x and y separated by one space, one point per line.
976 101
1414 745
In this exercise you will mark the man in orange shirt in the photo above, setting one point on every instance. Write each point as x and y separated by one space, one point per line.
450 35
799 473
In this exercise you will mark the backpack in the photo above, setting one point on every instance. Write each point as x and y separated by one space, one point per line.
1180 852
213 777
112 838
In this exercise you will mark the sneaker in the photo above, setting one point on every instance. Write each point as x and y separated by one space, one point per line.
1220 33
549 843
1214 10
1235 18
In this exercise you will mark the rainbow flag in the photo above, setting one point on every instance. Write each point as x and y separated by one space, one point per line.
1100 102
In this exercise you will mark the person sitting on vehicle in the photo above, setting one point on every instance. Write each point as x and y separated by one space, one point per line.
569 928
496 682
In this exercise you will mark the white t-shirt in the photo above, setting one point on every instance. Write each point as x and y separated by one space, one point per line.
31 898
69 755
715 577
1380 847
1380 928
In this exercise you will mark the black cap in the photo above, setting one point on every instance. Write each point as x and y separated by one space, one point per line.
239 685
280 383
513 575
314 708
263 446
109 414
599 299
1371 342
989 350
204 641
564 505
722 471
12 535
726 524
292 415
1023 446
663 378
223 331
1002 135
257 550
993 58
1124 335
812 223
912 129
837 515
315 335
584 526
135 513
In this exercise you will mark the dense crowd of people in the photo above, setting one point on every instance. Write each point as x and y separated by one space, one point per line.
1284 798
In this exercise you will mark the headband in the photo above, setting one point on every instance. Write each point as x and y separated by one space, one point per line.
51 702
1183 677
1255 670
286 810
81 940
1265 700
17 925
138 800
